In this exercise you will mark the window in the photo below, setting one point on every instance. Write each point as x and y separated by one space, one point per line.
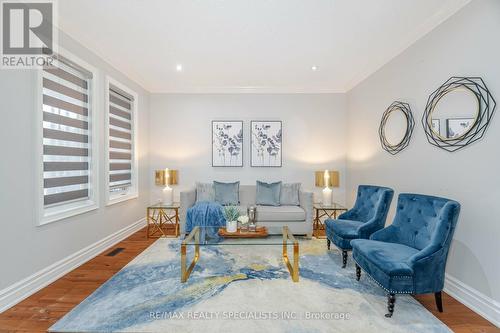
121 147
69 165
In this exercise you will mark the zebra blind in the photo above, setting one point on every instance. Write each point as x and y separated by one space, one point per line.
120 139
66 135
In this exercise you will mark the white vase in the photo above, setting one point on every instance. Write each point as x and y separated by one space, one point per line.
232 226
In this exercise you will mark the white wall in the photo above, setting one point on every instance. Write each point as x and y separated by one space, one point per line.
175 132
26 248
465 45
314 136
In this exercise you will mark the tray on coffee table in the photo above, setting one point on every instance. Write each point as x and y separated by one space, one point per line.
259 232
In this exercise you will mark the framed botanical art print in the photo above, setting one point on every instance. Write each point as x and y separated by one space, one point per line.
436 126
266 143
227 143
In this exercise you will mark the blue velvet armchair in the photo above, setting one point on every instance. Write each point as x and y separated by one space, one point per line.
367 216
409 256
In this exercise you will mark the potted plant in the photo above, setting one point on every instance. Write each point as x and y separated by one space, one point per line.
243 219
231 215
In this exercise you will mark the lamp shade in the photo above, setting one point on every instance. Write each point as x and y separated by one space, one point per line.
333 180
161 178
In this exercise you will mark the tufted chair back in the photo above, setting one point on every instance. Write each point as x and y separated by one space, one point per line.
370 202
423 220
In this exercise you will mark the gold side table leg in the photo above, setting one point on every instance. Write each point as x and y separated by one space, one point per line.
148 222
292 268
177 229
160 222
316 224
171 219
185 273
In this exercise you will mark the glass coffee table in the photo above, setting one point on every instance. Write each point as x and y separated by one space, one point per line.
287 239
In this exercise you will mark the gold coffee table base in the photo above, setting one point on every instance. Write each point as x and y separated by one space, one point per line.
186 272
293 267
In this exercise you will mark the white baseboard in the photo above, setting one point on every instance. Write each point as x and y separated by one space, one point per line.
17 292
473 299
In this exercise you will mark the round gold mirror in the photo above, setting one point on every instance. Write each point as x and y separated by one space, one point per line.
458 113
454 114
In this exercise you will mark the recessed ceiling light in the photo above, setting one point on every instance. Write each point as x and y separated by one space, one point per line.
314 68
178 68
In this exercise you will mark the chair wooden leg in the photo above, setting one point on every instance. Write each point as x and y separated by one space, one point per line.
391 299
358 272
328 243
439 301
344 258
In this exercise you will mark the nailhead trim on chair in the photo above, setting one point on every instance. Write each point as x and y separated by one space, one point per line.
381 286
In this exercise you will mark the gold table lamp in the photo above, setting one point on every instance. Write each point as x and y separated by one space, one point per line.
327 179
165 178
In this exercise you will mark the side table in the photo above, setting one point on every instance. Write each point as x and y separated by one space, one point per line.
160 217
324 212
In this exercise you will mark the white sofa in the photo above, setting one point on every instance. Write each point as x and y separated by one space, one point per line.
298 218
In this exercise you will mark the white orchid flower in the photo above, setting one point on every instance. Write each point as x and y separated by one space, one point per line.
243 219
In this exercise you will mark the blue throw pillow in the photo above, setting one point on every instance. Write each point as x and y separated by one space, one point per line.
290 194
268 194
227 193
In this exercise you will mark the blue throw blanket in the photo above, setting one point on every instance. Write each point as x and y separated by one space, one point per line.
206 214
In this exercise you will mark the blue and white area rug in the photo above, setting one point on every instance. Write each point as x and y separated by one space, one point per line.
243 289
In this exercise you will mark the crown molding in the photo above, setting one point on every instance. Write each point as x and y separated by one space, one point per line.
449 9
250 90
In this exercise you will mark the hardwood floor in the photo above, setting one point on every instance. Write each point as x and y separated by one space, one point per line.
457 316
39 311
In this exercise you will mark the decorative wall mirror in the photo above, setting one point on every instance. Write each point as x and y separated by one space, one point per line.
458 113
396 127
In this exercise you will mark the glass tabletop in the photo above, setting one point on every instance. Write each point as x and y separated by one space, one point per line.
334 206
161 205
204 236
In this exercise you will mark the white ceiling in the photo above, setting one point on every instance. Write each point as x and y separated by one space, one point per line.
250 45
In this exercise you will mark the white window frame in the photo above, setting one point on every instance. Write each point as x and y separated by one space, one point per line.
133 191
63 211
